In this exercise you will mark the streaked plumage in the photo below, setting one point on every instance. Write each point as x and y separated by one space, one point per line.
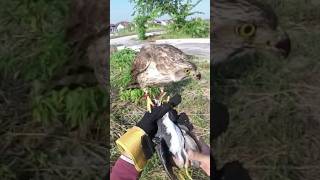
233 18
161 64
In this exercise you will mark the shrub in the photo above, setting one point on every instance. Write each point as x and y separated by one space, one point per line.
197 28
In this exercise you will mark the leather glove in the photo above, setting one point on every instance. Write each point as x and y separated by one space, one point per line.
149 121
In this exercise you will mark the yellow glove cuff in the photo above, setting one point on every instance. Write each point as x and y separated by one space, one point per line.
130 143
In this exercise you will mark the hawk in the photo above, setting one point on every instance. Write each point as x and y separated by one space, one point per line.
244 27
159 65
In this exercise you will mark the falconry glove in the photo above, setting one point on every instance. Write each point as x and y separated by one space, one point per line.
137 141
149 121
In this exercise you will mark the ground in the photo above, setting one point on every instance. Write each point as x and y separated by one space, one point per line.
274 128
274 124
195 102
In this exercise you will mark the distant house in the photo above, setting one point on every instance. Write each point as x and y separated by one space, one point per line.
163 22
113 28
160 22
157 22
122 25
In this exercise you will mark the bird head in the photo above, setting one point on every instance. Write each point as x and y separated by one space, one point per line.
246 26
186 70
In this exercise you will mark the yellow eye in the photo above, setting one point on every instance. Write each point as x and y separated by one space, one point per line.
187 70
246 30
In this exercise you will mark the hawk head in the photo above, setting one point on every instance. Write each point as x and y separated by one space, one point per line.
245 26
185 70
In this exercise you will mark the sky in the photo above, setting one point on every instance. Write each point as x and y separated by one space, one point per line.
121 10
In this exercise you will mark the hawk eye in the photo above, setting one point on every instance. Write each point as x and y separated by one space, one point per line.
187 70
246 30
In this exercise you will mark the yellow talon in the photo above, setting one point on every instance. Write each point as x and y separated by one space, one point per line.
149 104
182 173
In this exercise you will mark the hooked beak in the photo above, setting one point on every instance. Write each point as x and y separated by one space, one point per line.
284 45
197 76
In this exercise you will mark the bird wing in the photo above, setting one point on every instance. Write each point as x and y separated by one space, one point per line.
140 64
164 155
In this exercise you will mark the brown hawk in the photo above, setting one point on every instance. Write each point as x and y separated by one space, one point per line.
159 65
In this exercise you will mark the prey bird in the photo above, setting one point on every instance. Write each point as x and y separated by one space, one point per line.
243 27
173 139
159 65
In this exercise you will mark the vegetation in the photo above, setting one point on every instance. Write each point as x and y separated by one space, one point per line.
52 134
128 106
274 123
145 10
195 28
179 11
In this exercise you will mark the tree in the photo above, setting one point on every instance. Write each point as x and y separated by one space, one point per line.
145 10
178 10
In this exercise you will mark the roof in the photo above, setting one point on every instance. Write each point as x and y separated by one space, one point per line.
123 23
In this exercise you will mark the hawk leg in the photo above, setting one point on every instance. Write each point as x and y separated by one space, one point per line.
149 101
162 94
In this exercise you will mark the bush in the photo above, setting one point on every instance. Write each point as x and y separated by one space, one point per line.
197 28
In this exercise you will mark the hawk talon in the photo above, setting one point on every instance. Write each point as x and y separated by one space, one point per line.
150 104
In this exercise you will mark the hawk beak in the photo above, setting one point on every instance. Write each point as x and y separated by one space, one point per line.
197 76
284 44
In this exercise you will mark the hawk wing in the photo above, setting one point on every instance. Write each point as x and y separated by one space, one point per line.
140 64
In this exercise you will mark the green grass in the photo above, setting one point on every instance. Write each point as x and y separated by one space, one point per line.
195 102
59 134
274 124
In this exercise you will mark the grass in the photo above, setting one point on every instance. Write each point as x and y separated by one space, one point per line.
125 114
274 124
195 28
59 134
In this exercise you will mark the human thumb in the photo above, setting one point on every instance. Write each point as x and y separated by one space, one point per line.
196 156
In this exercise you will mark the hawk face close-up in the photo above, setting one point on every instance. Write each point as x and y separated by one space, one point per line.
244 27
186 70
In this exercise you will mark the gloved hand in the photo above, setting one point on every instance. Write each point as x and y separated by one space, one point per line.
149 121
